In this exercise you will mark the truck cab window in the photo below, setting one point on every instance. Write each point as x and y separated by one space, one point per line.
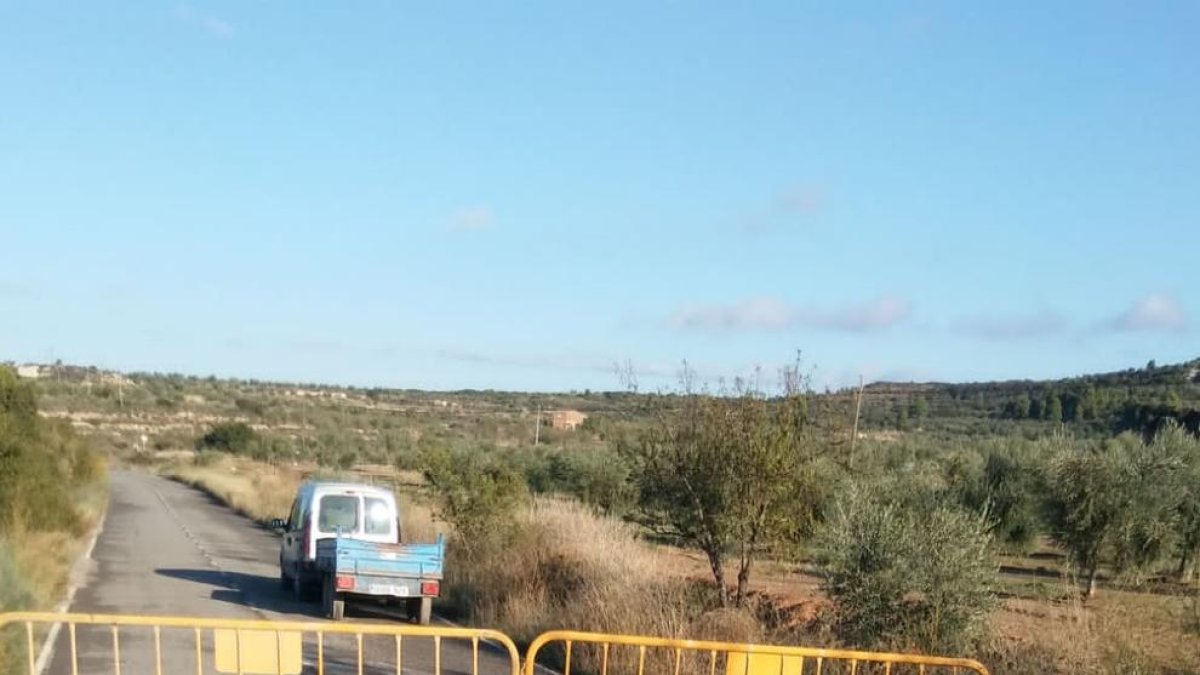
338 511
295 522
378 517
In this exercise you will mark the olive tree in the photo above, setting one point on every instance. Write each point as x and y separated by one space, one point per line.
1008 486
726 473
1115 502
906 569
1182 449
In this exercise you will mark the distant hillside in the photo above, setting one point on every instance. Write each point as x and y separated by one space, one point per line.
1136 399
167 412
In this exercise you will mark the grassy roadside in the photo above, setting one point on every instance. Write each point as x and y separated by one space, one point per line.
38 564
36 571
258 493
53 493
262 492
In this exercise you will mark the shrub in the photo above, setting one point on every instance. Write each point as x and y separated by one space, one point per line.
477 495
907 576
598 478
38 461
49 484
1010 486
249 406
234 437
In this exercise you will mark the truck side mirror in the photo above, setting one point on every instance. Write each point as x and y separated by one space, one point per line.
278 525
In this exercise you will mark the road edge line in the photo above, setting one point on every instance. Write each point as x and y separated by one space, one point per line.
77 569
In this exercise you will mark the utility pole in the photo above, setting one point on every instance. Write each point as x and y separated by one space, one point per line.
857 412
537 429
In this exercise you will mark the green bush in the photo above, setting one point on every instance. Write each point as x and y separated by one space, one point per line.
1010 486
46 475
477 495
914 575
38 460
249 406
598 478
234 437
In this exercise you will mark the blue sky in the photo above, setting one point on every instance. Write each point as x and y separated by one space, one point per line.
519 195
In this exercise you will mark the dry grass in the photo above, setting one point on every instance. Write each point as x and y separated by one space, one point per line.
45 558
262 492
1115 632
258 491
567 567
36 567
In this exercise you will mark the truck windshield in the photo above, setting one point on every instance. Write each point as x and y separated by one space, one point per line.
338 511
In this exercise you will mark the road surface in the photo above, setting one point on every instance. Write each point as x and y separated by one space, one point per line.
167 549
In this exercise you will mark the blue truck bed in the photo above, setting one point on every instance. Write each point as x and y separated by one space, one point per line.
341 556
401 571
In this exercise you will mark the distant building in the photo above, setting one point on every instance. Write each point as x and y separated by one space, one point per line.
29 370
566 419
114 378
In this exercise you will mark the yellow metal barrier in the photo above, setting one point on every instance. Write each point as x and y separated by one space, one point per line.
599 653
86 643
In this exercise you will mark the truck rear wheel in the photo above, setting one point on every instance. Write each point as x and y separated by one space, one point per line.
426 611
419 610
332 602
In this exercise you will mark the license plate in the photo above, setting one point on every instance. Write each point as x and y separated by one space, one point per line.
389 589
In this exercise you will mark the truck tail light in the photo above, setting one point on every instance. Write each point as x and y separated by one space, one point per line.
430 587
345 583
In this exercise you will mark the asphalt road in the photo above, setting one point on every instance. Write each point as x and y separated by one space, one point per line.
167 549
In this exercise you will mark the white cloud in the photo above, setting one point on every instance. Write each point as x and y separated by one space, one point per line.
800 200
471 218
17 290
1041 324
213 25
1156 313
765 313
749 314
558 361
